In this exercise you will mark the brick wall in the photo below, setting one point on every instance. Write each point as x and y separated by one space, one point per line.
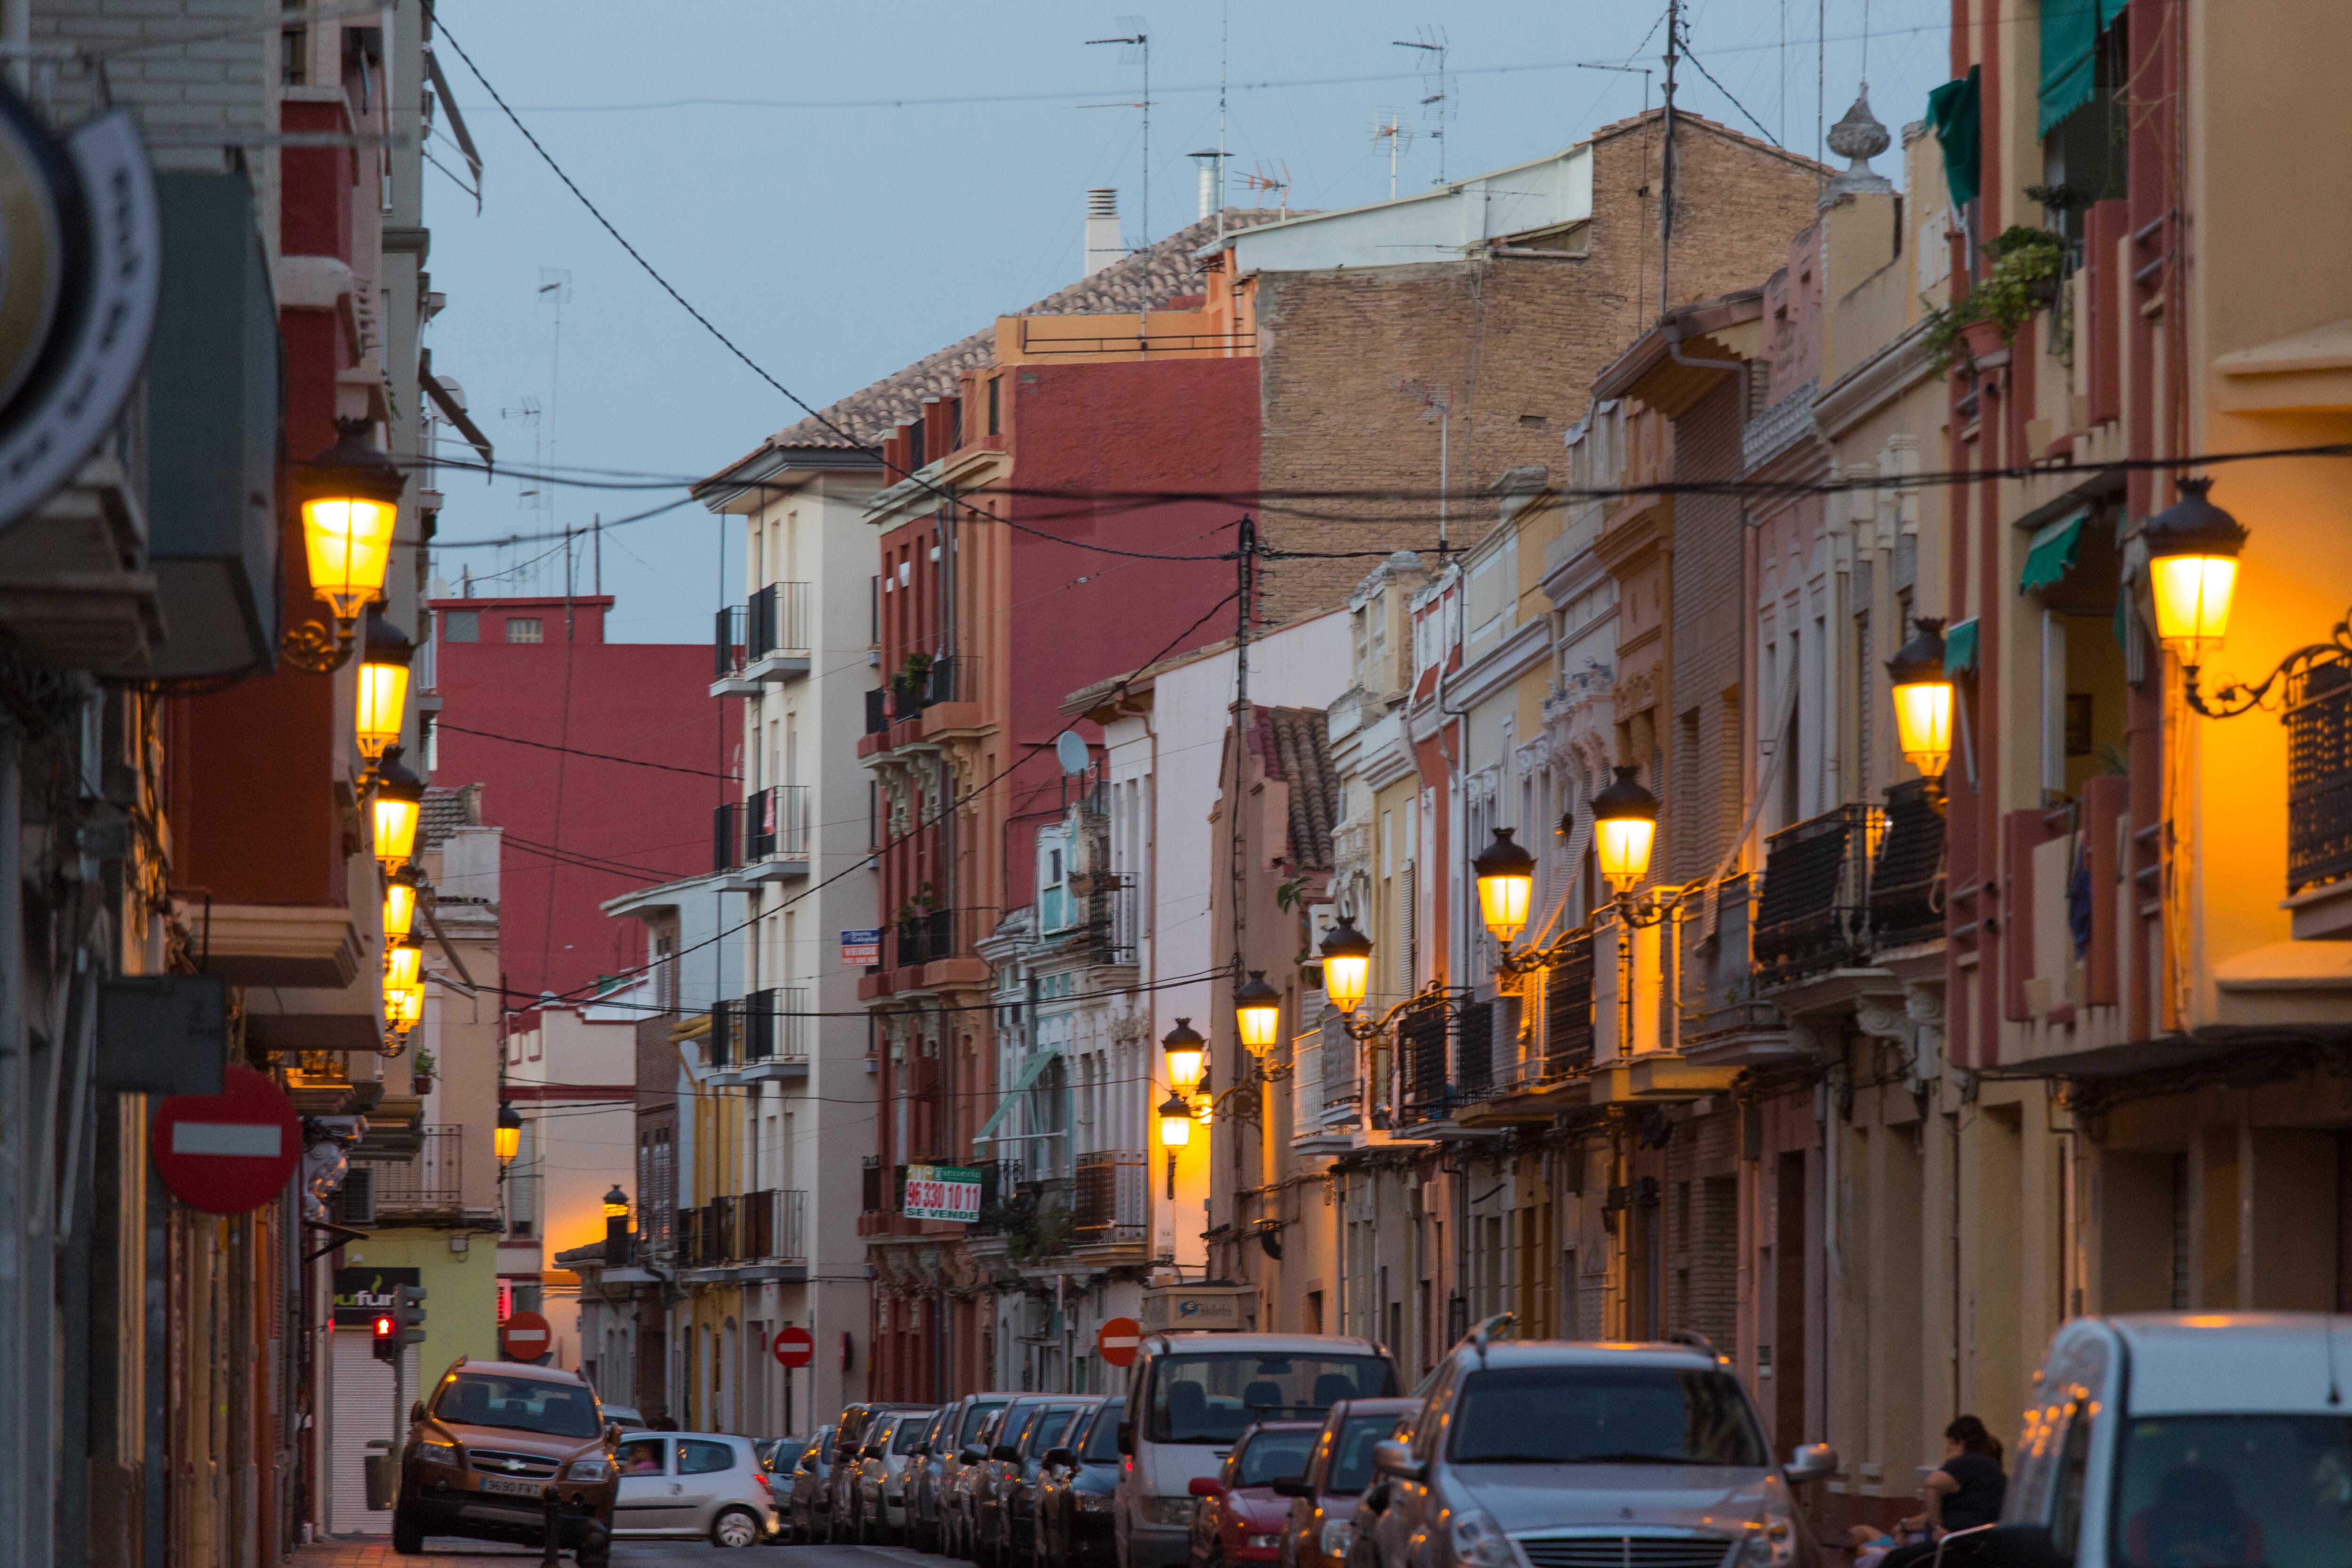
1519 339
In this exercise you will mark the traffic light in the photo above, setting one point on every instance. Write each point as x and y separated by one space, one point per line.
408 1314
387 1336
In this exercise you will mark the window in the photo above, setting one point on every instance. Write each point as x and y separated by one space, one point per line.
994 423
1212 1398
1102 1437
516 1405
2233 1489
1351 1466
461 626
1270 1456
700 1458
526 628
1606 1414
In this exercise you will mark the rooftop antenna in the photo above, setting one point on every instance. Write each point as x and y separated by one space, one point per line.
1437 102
1666 161
555 291
1137 40
1644 72
1392 128
1265 179
1224 38
1436 400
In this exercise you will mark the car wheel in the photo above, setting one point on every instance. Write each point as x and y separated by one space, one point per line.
407 1535
735 1526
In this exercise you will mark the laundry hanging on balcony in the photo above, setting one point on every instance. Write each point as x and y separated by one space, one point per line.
1030 1071
2050 554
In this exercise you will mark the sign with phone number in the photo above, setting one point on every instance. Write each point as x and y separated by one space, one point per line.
942 1192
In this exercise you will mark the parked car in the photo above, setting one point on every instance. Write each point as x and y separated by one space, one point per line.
487 1445
923 1461
780 1454
625 1416
1189 1395
882 1480
1321 1523
850 1441
1240 1517
1073 1492
859 1470
696 1485
977 1478
1006 1523
810 1511
1652 1451
2217 1438
960 1425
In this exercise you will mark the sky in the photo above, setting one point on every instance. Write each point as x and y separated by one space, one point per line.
883 180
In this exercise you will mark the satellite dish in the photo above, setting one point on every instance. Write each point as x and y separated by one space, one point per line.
1072 751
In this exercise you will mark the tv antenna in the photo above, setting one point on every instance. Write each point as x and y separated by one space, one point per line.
1396 130
1436 400
1265 179
1135 39
554 291
1436 86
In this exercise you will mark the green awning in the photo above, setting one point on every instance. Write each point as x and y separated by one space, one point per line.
1954 111
2070 41
1960 647
2052 554
1030 1071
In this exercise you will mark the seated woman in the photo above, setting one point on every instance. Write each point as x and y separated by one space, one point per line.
642 1457
1964 1491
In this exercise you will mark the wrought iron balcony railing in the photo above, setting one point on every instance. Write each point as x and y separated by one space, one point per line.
772 624
1113 1196
1814 912
2319 776
1907 880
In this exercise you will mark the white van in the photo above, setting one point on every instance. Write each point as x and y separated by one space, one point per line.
2220 1439
1189 1395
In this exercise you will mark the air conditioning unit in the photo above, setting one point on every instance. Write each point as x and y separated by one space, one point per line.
355 1200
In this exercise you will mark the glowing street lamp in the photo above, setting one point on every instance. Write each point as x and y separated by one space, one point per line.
399 802
1175 1122
2193 570
400 903
1187 1057
508 1140
1624 826
403 1005
1347 965
1507 886
404 966
1257 1007
350 503
383 686
1922 699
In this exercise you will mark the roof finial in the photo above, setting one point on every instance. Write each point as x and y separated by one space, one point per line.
1857 137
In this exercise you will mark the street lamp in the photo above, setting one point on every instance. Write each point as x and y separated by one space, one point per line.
1257 1007
404 966
350 501
2193 570
1507 886
1347 965
1624 826
403 1005
400 903
1922 699
508 1140
1175 1121
399 801
1187 1057
617 1227
383 686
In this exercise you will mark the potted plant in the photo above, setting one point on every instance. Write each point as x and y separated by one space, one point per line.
420 1072
2023 278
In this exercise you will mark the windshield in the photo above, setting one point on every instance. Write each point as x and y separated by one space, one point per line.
1605 1416
909 1433
1270 1456
517 1404
2225 1489
1046 1431
976 1420
1351 1466
1212 1398
1102 1437
824 1450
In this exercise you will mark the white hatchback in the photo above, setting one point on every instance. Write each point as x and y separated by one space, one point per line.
709 1485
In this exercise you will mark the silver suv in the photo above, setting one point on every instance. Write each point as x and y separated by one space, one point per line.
1643 1456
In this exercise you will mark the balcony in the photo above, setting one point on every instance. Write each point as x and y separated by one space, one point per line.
1814 913
763 1036
1907 881
1568 1007
1325 1088
763 641
924 702
1420 1044
1113 1198
765 838
747 1235
928 949
425 1189
2319 800
1723 1022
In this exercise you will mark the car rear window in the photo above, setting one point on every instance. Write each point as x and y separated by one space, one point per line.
1270 1456
517 1404
1214 1397
1046 1431
2233 1489
697 1457
1605 1416
1351 1466
1102 1437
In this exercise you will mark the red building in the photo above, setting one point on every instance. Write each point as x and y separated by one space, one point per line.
534 705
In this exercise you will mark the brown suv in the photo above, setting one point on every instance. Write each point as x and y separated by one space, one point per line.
488 1444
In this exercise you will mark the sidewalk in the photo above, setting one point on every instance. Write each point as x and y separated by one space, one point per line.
376 1551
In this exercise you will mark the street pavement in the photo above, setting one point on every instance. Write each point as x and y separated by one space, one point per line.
376 1551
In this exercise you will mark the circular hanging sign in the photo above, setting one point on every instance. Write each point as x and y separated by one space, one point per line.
1115 1340
795 1347
230 1151
525 1337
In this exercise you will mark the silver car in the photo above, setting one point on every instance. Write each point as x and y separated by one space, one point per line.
706 1485
882 1478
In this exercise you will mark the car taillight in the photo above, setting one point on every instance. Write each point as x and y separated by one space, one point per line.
761 1477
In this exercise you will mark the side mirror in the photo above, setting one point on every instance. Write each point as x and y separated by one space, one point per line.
971 1454
1005 1453
1127 1437
1812 1462
611 1432
416 1412
1292 1486
1062 1458
1394 1459
1206 1486
919 1451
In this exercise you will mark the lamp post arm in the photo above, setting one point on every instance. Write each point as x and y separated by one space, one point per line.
2236 698
312 649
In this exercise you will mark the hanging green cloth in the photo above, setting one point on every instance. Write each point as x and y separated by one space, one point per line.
1954 111
2051 555
1960 647
2070 38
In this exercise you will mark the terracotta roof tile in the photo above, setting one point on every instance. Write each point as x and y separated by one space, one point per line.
1296 745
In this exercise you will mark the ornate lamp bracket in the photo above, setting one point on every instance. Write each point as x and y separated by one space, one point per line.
315 649
2237 698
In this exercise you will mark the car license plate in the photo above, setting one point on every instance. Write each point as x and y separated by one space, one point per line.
507 1487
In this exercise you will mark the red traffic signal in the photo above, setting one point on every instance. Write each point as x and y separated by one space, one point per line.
386 1331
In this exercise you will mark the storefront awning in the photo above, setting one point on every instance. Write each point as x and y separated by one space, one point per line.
2070 37
1030 1071
1960 647
2051 555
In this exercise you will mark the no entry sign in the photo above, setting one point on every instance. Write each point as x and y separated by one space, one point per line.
525 1337
1115 1340
230 1151
795 1347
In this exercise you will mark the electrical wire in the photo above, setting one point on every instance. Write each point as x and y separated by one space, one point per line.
445 726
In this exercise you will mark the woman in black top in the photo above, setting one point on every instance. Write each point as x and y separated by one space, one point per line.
1963 1492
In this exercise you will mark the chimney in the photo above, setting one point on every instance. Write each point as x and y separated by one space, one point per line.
1209 163
1103 245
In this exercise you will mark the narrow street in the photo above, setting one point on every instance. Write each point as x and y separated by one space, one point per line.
376 1551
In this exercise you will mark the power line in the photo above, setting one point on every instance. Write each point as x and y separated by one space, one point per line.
576 751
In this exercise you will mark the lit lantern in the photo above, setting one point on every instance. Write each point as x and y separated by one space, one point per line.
400 903
508 1140
404 966
350 500
1922 699
616 1202
399 801
403 1005
1186 1056
1507 886
1624 826
2193 570
1257 1006
383 686
1347 965
1175 1122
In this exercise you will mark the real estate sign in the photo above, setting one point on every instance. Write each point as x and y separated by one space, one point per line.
942 1192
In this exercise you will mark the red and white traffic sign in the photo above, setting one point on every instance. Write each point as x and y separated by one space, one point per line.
525 1337
795 1347
230 1151
1115 1340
